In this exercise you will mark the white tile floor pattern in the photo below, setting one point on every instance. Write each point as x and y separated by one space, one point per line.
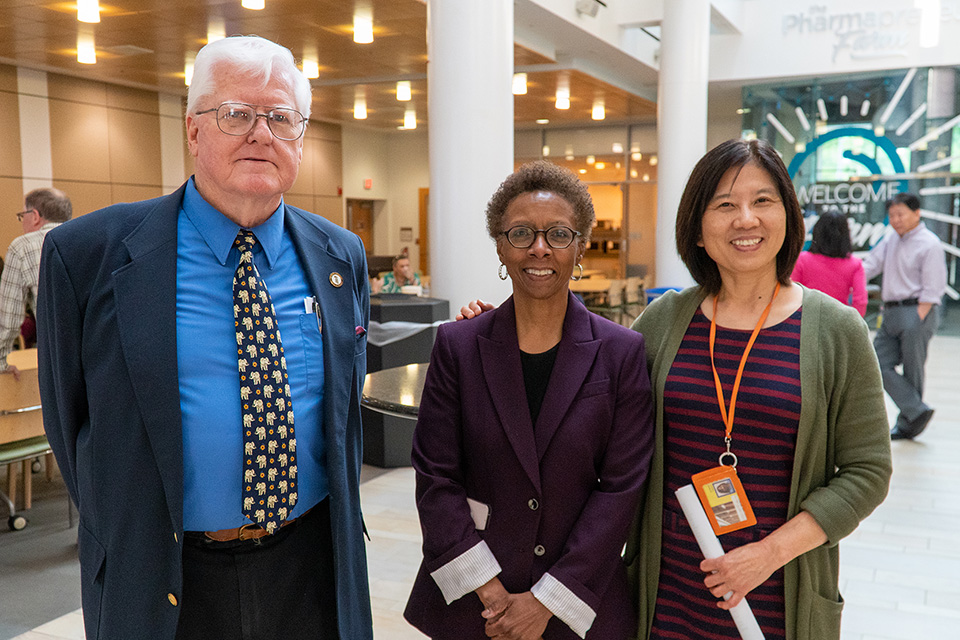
900 571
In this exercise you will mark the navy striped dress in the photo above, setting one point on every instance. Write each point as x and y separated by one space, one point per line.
764 438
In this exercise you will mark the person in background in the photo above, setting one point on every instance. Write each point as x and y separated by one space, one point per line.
914 270
532 442
804 417
215 464
44 209
401 276
829 265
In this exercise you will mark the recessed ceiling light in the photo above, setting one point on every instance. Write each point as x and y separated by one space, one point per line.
543 120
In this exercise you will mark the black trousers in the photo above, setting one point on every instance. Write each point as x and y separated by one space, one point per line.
278 587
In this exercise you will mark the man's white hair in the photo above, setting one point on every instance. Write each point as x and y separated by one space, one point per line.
257 56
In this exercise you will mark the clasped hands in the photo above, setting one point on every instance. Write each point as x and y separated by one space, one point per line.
512 616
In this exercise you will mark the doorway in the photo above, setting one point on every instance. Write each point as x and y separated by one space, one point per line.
360 221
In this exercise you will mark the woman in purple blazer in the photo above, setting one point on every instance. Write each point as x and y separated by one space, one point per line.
533 441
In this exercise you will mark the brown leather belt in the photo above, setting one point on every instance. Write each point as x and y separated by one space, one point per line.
248 531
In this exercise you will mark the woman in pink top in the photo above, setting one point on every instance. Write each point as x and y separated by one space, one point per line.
829 266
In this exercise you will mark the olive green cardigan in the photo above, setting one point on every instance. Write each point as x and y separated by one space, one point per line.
841 467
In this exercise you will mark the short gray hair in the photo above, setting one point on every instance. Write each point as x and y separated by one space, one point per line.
53 205
259 57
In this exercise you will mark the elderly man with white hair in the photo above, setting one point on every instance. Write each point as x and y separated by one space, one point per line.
160 324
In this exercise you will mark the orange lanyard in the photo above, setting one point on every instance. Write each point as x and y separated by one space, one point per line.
728 417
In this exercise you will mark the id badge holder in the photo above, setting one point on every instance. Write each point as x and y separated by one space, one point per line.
723 499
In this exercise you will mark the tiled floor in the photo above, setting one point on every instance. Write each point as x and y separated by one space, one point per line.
900 571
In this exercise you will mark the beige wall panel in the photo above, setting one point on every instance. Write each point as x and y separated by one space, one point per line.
85 196
132 99
76 90
328 168
330 207
11 201
134 141
78 137
324 131
304 183
10 164
8 78
134 192
299 200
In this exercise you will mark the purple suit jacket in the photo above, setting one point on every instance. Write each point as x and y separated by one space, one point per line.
584 464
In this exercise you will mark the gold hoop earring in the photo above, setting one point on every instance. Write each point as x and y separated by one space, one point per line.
579 275
502 271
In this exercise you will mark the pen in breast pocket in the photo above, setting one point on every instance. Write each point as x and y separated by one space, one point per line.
311 305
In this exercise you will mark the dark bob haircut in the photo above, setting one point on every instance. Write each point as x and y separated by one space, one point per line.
831 236
702 185
542 176
911 201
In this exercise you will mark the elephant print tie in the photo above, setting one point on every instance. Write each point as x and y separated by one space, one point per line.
269 446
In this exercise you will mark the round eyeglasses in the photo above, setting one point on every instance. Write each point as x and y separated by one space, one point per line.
239 119
557 237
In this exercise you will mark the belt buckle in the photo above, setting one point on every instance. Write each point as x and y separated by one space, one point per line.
244 528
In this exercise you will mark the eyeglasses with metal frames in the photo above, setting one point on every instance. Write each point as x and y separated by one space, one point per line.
557 236
239 119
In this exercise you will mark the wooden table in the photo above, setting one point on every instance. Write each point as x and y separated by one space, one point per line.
21 417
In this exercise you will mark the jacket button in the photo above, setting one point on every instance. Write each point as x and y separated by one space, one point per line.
539 550
172 598
533 504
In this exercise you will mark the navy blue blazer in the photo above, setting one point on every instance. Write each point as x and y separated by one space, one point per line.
106 319
562 493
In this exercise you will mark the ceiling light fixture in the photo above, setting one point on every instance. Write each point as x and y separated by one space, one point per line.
88 11
864 108
843 105
519 84
600 165
543 120
636 156
563 92
404 92
591 159
255 5
86 49
311 69
802 117
188 68
598 112
410 118
617 147
359 103
216 29
653 161
545 150
363 26
822 108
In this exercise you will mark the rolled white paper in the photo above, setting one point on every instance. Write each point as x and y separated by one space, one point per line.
711 548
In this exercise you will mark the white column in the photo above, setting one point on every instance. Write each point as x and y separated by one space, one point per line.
682 121
36 155
469 74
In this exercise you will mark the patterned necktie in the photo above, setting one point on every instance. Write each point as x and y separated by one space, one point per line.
269 447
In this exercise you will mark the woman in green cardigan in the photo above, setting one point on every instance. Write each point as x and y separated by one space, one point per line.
804 420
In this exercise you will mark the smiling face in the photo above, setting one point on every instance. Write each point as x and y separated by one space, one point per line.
539 272
744 224
240 174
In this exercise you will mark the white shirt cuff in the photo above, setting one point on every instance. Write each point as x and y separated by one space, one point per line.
473 568
564 604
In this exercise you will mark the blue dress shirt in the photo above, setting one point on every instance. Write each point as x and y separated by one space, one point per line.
207 361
